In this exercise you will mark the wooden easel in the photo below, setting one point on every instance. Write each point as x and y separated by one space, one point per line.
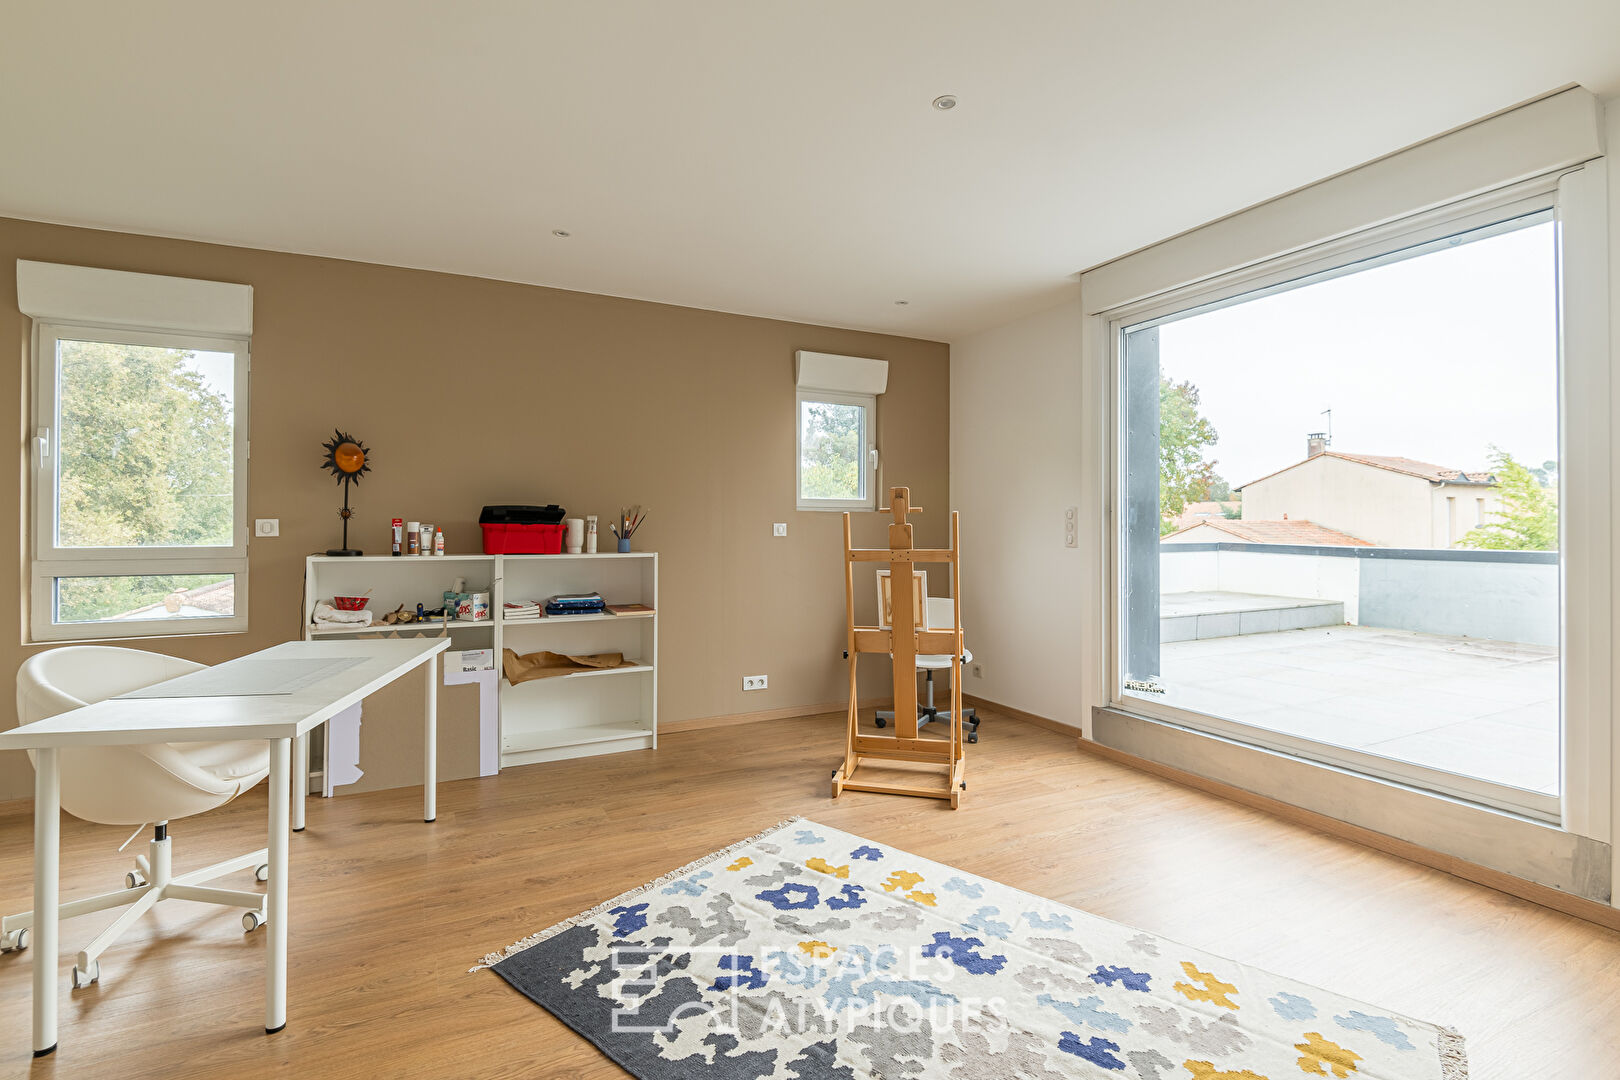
904 640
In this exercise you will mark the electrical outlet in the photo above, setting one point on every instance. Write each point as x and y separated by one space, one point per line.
977 670
753 682
779 529
266 526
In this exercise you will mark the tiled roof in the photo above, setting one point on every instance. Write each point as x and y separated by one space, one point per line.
1308 533
1423 470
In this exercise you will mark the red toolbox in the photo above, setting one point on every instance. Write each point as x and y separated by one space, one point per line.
522 530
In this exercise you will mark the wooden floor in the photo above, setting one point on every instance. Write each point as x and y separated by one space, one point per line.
388 913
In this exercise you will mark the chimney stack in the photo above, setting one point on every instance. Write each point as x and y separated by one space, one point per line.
1315 443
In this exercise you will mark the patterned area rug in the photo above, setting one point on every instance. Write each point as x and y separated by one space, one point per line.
807 953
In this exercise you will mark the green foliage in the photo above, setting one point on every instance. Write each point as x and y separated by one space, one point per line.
830 466
1184 475
146 460
1232 511
1528 519
1219 490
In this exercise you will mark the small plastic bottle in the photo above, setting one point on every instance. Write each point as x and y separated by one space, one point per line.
438 542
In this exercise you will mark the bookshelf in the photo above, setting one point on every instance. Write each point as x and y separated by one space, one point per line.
565 716
588 712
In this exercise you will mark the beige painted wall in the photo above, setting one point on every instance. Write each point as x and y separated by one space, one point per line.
472 391
1388 508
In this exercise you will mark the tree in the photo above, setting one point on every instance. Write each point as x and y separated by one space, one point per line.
831 450
1220 490
146 460
1184 475
1528 519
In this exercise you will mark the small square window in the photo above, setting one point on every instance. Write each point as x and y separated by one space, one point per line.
837 455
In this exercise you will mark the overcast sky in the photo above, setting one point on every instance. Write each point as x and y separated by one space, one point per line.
1432 358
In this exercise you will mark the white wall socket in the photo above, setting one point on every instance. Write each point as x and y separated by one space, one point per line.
753 682
779 529
266 526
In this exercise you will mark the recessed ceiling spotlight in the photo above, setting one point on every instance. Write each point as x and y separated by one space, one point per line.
901 303
945 102
561 232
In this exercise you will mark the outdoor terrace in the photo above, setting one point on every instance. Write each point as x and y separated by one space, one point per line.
1368 648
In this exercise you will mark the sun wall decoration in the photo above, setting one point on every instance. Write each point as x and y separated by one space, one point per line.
347 459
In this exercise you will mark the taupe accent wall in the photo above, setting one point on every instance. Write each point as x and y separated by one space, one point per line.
471 391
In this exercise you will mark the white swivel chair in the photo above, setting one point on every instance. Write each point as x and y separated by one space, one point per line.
941 614
136 785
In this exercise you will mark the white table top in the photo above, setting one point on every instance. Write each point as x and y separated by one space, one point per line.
132 721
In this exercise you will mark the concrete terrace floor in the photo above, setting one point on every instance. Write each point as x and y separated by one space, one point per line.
1487 709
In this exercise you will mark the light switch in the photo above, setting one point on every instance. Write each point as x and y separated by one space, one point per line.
267 527
779 529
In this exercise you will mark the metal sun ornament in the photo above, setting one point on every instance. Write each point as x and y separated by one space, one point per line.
347 459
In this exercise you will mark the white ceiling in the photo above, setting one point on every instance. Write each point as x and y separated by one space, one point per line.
750 156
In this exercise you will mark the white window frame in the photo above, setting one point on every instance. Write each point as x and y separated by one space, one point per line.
50 562
869 454
1584 540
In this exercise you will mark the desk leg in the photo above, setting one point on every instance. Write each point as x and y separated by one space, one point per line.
430 745
275 890
47 852
300 781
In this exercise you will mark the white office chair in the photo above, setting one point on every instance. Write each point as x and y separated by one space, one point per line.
940 613
135 785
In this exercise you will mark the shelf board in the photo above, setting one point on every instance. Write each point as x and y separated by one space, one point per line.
378 628
403 560
585 555
553 738
553 620
594 673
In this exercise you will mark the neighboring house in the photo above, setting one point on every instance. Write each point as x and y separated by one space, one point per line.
1206 511
1263 532
1388 501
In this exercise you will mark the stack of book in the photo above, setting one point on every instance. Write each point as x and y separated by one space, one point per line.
527 611
575 604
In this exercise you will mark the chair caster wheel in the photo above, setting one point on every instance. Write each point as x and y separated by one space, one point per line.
251 921
973 736
132 880
16 941
82 978
882 722
262 872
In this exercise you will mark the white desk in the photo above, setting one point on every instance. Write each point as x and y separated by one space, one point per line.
280 718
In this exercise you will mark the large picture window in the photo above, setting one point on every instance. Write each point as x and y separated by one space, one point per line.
1340 509
139 464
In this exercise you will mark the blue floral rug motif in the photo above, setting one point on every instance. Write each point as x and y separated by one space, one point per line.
805 953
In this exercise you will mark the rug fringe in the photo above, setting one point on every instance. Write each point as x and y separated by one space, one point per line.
491 959
1453 1058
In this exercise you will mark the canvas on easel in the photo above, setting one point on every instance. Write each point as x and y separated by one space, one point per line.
904 636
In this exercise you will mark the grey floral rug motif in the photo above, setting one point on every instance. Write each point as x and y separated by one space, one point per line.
805 953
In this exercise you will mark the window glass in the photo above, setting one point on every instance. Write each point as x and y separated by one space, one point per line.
146 446
832 451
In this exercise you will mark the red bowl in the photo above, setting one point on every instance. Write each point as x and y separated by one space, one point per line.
349 603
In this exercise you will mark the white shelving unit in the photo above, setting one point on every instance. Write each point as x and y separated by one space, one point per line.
564 716
588 712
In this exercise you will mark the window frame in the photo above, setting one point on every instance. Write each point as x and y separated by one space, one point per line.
49 562
869 454
1347 255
